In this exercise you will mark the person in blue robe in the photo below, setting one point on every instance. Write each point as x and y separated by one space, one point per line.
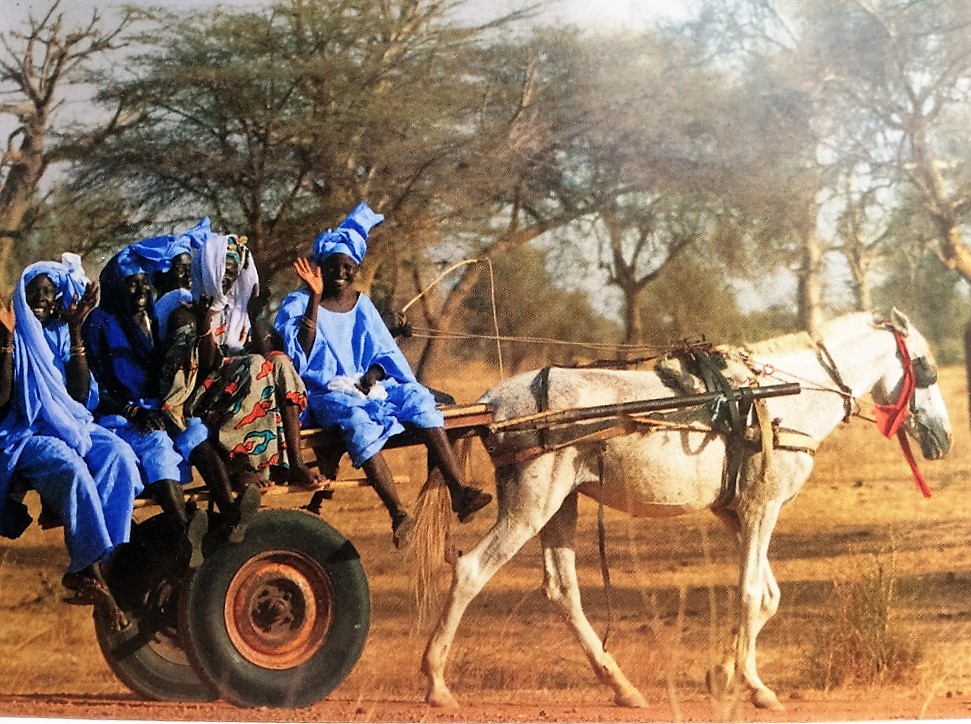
48 439
125 355
169 259
357 378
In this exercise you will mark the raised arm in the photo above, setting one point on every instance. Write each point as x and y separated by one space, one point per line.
78 374
200 315
308 325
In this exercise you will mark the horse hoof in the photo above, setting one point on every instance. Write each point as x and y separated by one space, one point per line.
441 699
630 699
765 699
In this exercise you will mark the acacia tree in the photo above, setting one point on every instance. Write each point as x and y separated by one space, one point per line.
37 65
609 132
276 122
900 71
782 185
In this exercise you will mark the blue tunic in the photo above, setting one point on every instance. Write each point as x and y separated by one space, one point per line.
347 344
123 359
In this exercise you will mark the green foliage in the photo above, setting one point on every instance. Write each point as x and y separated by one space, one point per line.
932 296
861 641
529 304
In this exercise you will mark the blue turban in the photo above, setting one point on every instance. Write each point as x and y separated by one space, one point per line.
68 276
350 236
149 256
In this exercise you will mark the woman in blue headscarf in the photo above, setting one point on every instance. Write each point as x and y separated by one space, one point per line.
357 378
167 260
48 439
126 359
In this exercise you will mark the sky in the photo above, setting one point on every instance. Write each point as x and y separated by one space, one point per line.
602 13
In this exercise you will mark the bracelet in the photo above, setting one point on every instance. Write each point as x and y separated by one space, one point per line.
6 348
78 349
308 323
130 411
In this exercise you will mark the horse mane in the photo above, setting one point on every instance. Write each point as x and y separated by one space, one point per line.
832 331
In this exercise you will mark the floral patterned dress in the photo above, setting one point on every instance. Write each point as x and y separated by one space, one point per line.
239 400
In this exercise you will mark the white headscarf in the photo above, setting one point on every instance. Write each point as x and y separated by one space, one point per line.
231 325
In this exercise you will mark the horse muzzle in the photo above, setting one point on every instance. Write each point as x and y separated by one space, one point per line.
934 437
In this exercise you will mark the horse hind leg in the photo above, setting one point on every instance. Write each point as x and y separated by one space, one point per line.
561 588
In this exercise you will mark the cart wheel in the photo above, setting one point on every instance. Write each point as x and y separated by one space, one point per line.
281 618
146 577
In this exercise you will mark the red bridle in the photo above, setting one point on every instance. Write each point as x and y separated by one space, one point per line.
890 418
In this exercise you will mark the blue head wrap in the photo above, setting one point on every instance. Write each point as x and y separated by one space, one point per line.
68 276
350 236
114 290
149 256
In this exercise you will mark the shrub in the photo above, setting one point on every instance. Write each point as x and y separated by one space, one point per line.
862 642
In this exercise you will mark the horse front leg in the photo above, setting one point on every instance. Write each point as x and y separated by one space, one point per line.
561 588
528 497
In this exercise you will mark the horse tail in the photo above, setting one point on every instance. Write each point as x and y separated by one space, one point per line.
430 544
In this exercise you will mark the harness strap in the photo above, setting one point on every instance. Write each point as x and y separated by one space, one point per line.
827 362
733 428
784 438
528 453
602 547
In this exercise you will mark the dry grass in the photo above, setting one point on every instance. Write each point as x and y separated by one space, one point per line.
671 601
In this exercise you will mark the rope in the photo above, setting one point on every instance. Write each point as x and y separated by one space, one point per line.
495 317
429 333
602 548
492 293
436 280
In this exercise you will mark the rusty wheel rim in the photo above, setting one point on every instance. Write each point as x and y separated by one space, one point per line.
279 609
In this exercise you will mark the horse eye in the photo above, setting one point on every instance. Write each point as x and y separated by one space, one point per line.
925 374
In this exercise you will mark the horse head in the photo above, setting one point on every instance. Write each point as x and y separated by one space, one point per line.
910 389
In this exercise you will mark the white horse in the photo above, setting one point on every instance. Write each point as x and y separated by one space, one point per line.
661 472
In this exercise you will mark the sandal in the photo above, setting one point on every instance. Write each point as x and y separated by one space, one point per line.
318 483
470 501
88 591
245 508
402 526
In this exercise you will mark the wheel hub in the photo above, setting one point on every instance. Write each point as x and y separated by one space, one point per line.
279 609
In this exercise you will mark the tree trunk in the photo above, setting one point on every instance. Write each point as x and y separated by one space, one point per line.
810 276
633 316
19 188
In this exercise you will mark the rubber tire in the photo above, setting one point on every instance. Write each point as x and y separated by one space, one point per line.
135 656
294 537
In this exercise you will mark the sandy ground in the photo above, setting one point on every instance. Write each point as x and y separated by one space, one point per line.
668 612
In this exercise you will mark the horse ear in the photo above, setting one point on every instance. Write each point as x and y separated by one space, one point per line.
899 321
